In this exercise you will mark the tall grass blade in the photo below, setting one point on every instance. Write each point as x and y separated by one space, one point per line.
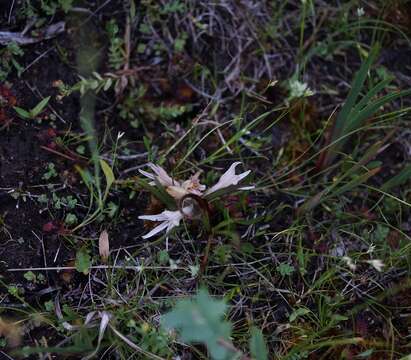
356 181
343 116
402 177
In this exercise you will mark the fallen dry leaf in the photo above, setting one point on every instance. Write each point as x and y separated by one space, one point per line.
104 246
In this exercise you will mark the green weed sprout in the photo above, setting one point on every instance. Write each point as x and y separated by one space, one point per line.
201 320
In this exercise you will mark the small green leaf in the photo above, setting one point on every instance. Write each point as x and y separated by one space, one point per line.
70 219
132 9
199 320
163 257
30 276
86 177
402 177
39 107
81 149
258 347
21 112
108 84
13 290
337 318
66 5
285 269
49 305
83 261
141 48
299 312
108 173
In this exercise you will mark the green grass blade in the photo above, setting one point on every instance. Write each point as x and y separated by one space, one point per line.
370 109
354 93
237 136
403 176
355 182
325 194
370 94
343 117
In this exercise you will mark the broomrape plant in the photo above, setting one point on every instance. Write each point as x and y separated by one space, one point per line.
188 189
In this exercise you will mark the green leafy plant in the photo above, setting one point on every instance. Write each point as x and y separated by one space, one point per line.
356 110
352 117
116 54
200 320
51 172
34 112
258 347
50 7
285 269
30 276
298 313
94 82
66 5
93 180
83 261
8 60
70 219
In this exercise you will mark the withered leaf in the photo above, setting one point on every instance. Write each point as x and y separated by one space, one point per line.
104 246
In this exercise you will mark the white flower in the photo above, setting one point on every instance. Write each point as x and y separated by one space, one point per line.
376 264
360 12
229 178
299 89
191 186
160 175
174 264
176 189
349 263
169 220
371 249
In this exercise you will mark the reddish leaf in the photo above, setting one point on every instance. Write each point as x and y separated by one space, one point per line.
49 227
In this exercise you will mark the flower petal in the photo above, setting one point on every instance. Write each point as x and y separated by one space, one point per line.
229 178
146 174
230 173
157 217
177 192
162 176
251 187
193 184
169 219
173 216
156 230
242 176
